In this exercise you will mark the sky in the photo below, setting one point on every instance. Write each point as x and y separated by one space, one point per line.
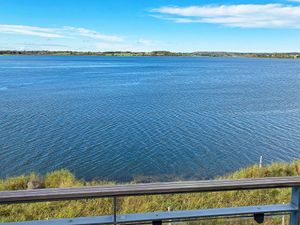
149 25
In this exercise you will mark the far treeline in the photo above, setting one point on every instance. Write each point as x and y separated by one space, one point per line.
289 55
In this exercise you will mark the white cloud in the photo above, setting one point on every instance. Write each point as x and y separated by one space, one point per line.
240 15
92 34
64 32
105 46
30 30
131 45
146 42
70 38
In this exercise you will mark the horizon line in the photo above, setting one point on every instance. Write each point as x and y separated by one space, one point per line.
153 51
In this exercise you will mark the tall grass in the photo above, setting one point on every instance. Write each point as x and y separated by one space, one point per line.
96 207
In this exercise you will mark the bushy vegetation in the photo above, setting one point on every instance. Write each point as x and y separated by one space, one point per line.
93 207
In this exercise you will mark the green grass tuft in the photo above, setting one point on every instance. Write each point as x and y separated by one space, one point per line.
96 207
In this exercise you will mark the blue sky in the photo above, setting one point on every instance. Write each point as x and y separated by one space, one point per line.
146 25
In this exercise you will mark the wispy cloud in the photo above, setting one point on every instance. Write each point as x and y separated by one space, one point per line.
240 15
30 30
140 44
146 42
71 38
92 34
61 32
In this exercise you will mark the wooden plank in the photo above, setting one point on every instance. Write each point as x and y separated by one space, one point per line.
55 194
165 216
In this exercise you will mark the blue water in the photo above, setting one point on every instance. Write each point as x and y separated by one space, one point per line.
118 118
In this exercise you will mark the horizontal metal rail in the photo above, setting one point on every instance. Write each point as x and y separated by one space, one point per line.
166 216
58 194
114 191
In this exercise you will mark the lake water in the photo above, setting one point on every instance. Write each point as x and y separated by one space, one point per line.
118 118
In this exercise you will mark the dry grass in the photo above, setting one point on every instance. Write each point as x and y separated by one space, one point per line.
67 209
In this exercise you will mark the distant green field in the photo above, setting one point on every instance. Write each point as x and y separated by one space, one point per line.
64 178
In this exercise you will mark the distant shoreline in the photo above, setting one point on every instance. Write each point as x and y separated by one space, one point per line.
288 55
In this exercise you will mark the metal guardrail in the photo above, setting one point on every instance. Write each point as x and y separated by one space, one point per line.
157 218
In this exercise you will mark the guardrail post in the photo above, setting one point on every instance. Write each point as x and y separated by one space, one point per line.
157 222
115 209
259 217
295 201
